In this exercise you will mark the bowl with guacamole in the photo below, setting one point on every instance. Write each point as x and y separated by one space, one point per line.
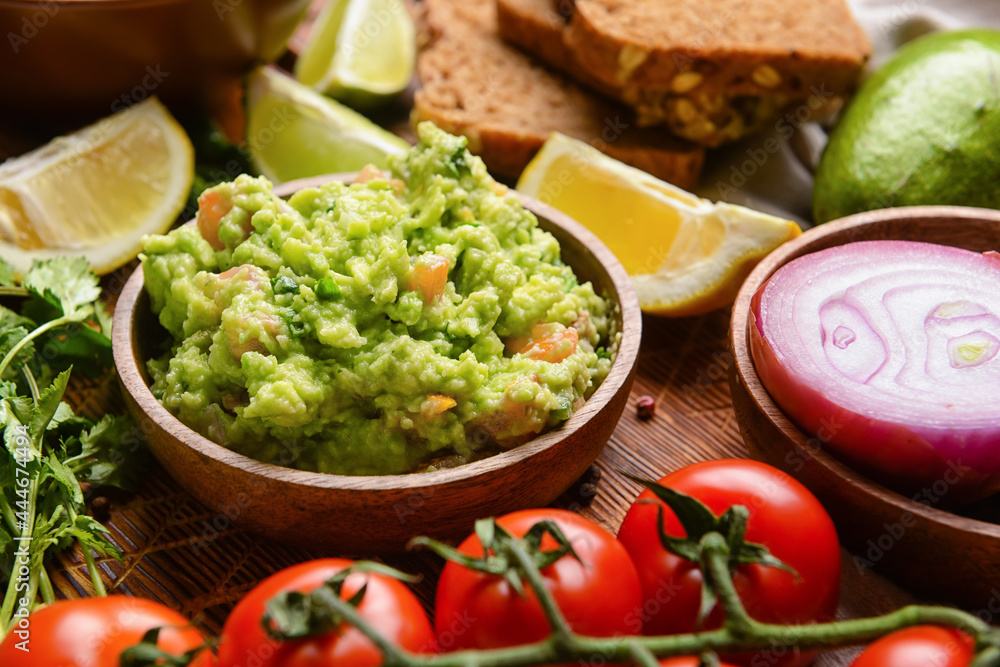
410 331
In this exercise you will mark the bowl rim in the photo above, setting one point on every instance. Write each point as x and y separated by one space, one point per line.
745 369
621 369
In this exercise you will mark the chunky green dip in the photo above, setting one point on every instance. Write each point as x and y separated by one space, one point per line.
404 322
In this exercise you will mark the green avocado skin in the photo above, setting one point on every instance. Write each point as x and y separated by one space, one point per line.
924 129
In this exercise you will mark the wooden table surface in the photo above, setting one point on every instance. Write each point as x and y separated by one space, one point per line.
178 552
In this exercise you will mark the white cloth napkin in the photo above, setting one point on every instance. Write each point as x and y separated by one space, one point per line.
772 171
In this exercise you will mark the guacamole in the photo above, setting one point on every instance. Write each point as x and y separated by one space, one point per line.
408 321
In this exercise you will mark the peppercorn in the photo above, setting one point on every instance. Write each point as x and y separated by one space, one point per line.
645 407
100 507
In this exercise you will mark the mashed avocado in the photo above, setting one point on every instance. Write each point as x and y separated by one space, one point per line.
407 321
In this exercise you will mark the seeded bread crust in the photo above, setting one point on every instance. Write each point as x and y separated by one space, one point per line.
474 84
689 111
741 47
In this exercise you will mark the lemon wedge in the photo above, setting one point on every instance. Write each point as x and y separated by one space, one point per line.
359 51
95 193
685 255
294 132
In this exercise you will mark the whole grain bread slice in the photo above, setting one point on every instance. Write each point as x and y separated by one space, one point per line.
472 83
739 47
690 112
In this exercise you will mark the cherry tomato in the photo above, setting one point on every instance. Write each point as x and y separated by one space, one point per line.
919 645
783 516
388 605
599 597
92 632
686 661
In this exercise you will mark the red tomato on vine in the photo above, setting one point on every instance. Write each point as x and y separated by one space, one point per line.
387 605
919 645
783 516
93 632
599 594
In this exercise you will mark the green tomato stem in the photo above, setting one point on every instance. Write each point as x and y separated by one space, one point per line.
988 657
560 628
643 656
393 655
715 564
740 633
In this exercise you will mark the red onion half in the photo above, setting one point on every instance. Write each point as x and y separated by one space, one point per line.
887 353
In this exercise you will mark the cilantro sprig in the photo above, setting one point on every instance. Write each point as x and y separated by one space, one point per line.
48 451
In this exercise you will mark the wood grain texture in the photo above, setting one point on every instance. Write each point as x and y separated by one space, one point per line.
369 515
936 553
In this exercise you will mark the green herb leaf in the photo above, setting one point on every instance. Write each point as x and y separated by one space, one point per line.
47 405
22 405
112 453
104 320
57 471
327 288
78 346
284 285
66 282
456 165
13 328
6 274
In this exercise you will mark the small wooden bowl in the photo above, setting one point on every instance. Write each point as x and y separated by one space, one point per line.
932 552
378 514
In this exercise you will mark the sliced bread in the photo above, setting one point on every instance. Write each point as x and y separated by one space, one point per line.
740 47
705 92
474 84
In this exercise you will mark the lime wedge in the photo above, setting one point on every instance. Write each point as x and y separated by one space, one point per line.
359 51
294 132
96 192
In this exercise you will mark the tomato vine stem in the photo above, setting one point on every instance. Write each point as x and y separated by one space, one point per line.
739 633
561 632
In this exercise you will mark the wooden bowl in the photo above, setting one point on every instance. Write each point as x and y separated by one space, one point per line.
934 553
73 61
377 514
